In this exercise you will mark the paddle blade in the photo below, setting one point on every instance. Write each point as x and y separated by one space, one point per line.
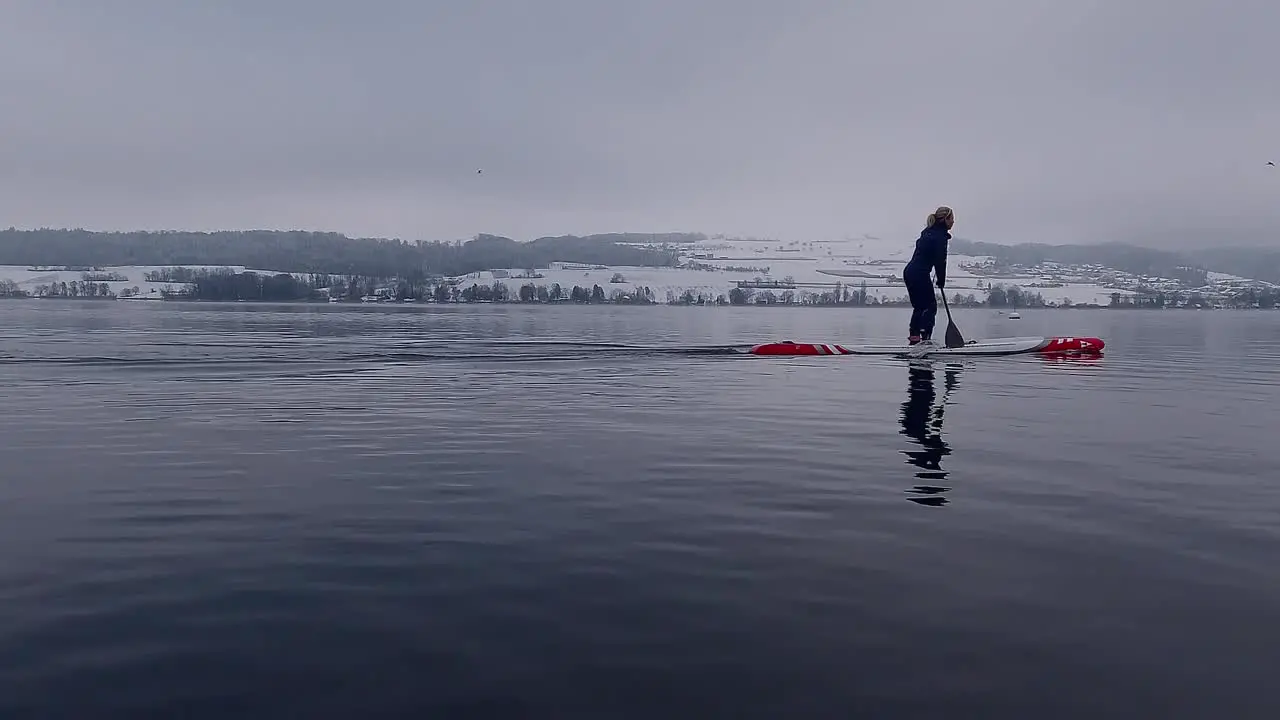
954 338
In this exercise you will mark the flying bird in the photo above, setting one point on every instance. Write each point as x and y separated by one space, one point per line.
1271 163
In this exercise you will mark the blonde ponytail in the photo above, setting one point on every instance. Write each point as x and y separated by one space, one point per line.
943 213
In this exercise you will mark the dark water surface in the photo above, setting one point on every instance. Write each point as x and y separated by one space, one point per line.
582 512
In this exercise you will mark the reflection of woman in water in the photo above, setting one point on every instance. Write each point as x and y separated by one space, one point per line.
922 422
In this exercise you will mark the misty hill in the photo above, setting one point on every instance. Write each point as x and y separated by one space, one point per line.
320 252
1254 263
1249 262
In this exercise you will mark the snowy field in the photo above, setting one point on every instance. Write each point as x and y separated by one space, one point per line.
814 266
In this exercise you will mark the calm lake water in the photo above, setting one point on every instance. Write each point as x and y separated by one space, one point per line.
592 512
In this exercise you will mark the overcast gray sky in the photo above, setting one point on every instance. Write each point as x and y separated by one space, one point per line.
1063 121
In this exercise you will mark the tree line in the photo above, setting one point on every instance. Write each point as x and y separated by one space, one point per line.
308 252
10 289
76 289
847 295
1261 298
226 285
531 293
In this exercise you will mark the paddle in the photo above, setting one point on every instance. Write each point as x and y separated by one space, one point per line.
953 338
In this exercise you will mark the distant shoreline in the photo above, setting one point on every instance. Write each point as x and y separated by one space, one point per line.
777 305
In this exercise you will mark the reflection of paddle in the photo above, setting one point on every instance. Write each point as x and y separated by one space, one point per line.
954 338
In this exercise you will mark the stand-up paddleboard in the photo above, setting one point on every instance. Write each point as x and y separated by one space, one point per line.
999 346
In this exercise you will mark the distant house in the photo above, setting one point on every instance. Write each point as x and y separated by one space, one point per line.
382 294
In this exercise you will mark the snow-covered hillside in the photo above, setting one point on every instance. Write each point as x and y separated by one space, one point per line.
812 266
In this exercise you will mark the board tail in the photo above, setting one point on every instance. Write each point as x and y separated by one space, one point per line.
786 347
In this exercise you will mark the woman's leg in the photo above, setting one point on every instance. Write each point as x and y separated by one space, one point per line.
919 293
928 311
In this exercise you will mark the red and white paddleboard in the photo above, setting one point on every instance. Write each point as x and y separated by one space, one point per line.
1000 346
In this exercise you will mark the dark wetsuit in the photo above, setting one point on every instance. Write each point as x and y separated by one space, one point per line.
930 254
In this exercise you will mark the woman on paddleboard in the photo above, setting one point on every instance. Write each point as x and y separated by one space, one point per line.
930 254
